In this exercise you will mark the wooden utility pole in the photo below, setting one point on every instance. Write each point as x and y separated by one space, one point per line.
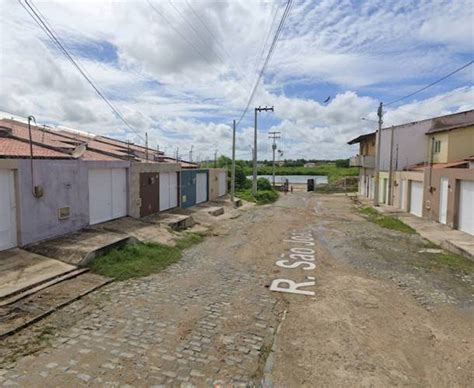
232 183
390 171
146 146
254 182
274 136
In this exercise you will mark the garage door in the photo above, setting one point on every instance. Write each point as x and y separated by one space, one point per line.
416 198
168 190
466 207
107 194
7 210
222 183
201 187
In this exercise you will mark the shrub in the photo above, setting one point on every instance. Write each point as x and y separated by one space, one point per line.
263 184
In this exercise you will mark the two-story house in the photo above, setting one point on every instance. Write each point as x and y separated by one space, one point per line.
366 161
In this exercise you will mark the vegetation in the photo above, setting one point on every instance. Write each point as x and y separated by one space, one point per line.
330 170
261 198
387 222
142 259
449 260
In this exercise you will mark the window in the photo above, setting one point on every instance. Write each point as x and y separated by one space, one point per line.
437 146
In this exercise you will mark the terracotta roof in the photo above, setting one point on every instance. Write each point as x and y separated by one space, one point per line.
92 155
124 144
449 128
15 148
360 138
437 166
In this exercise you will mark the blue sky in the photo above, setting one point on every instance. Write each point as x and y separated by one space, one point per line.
182 71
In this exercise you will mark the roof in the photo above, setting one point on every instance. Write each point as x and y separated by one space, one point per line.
437 166
16 148
361 137
449 128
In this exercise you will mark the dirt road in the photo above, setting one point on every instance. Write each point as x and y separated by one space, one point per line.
364 313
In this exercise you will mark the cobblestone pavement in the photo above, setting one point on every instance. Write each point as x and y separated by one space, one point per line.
207 320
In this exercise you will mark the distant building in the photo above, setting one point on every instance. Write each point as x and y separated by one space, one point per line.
310 164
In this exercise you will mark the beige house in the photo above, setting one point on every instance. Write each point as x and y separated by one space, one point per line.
217 183
365 160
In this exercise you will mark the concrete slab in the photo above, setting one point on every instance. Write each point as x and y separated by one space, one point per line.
141 230
177 219
21 270
80 248
450 239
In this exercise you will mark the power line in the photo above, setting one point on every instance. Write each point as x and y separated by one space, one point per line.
431 84
267 59
33 11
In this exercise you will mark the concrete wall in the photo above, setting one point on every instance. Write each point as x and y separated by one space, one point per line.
412 141
134 179
461 143
65 183
431 197
214 182
367 146
408 176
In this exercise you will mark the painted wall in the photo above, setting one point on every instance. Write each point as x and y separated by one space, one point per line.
431 197
188 186
461 144
214 182
408 176
134 179
413 143
65 183
367 146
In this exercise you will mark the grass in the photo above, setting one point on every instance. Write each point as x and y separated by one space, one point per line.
330 170
142 259
387 222
263 196
452 261
331 189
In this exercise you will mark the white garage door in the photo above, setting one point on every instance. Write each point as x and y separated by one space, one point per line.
416 198
222 183
466 207
7 210
443 200
201 187
107 194
168 190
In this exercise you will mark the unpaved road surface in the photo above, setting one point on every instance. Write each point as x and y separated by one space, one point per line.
370 314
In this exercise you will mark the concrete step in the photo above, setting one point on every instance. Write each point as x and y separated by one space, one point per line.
20 294
31 309
172 220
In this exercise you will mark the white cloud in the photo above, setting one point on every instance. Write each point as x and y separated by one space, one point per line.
165 87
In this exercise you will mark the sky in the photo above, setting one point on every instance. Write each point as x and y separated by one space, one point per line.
181 71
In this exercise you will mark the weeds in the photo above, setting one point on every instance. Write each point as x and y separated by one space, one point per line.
387 222
142 259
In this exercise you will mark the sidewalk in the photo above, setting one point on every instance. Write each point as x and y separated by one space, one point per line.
450 239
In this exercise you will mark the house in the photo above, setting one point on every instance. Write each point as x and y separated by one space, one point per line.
47 185
310 164
194 187
365 160
217 183
424 168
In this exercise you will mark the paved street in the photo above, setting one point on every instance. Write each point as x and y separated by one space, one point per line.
212 319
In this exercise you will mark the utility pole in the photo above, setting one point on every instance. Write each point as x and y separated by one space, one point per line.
254 183
177 154
146 146
232 182
191 154
215 159
378 140
390 172
274 136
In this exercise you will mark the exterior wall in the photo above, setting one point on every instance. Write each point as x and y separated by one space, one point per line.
188 186
364 180
134 182
367 146
408 176
431 197
461 144
412 141
442 155
383 188
65 183
214 182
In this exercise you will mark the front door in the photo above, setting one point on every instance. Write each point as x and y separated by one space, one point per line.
443 200
149 193
201 187
7 210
